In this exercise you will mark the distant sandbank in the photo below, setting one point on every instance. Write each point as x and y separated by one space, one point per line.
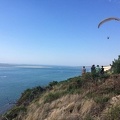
107 68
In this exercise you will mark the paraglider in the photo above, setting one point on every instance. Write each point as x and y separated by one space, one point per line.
108 37
108 19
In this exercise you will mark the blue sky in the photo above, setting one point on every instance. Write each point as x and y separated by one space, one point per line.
59 32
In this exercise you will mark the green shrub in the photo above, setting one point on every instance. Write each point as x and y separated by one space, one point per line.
114 89
101 99
53 96
74 86
114 113
53 83
90 95
14 112
105 76
73 91
87 77
29 95
116 65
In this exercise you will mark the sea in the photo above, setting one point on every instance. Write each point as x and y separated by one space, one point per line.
14 79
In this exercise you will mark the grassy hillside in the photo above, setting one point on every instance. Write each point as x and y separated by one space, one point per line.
80 98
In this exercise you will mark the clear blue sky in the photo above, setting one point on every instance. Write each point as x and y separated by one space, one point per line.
59 32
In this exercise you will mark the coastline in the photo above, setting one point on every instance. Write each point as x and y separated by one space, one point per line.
6 108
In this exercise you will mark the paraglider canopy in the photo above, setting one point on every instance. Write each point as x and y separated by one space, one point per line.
108 19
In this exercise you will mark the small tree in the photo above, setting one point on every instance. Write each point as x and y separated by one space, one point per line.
116 65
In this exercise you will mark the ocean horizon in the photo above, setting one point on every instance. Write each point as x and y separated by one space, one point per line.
15 78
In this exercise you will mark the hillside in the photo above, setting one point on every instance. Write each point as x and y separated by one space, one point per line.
79 98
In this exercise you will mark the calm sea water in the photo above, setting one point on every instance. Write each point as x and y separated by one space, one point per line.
14 79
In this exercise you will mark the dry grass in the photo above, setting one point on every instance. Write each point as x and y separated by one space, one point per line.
76 99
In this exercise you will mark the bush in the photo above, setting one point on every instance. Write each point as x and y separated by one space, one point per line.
116 65
74 86
87 77
53 96
14 112
53 83
29 95
101 99
114 113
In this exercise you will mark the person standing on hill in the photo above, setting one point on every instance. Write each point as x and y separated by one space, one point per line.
83 70
98 70
102 70
93 70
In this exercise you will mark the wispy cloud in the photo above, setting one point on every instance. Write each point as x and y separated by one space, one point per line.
115 1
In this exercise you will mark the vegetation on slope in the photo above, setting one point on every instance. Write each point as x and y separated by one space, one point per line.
116 65
84 97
